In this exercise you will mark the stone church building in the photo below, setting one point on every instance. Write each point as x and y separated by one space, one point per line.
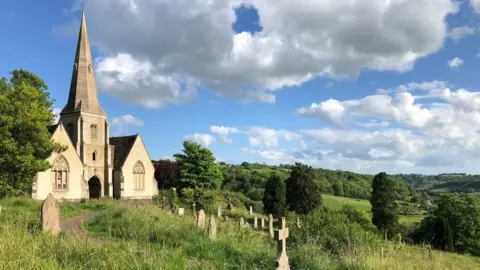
94 165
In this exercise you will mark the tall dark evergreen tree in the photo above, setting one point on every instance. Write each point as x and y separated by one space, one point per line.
274 197
303 193
384 207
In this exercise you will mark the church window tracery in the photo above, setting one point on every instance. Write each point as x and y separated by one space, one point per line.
60 172
139 176
93 130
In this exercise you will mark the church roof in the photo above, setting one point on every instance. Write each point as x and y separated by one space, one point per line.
83 91
123 145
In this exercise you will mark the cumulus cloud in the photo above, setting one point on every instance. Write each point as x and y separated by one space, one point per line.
260 136
461 32
204 139
56 112
455 63
123 123
223 133
475 4
169 48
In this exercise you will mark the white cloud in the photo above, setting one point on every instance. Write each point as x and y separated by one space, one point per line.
169 44
56 112
475 4
204 139
122 124
455 63
458 33
223 132
260 136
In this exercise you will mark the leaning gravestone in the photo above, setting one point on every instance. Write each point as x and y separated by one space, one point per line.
270 225
50 215
212 228
201 219
241 222
281 236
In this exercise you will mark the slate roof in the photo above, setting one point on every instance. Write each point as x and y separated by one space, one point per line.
122 148
52 129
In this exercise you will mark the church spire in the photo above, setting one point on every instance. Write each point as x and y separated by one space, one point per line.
83 92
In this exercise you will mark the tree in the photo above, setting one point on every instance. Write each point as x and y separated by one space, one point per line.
274 197
165 173
197 168
303 193
25 142
454 225
384 207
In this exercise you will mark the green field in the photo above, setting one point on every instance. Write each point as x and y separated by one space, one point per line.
336 202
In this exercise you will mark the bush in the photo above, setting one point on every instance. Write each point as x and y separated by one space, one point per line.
257 206
187 194
205 199
355 214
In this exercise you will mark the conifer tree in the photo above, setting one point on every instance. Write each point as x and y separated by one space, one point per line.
274 197
384 207
303 193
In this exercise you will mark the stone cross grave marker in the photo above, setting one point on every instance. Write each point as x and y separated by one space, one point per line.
212 228
201 219
241 222
281 236
263 223
255 222
193 209
270 225
219 214
251 210
50 215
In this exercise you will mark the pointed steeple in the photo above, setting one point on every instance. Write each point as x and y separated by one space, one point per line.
83 92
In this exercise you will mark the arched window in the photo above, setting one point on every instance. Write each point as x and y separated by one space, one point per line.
139 176
60 172
94 155
93 131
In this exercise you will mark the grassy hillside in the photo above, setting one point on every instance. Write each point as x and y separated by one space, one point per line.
442 183
123 236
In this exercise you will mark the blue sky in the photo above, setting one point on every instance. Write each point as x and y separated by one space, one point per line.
180 70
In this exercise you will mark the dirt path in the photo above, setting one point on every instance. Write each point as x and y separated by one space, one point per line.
73 227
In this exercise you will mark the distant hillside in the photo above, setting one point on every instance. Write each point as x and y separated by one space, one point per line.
442 183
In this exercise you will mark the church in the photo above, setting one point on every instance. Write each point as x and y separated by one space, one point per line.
94 164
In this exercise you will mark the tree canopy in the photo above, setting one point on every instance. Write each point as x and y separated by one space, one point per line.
303 193
25 143
197 168
384 206
166 172
274 197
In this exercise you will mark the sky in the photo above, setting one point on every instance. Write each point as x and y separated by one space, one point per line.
364 86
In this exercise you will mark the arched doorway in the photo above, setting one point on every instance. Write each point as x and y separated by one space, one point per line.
94 188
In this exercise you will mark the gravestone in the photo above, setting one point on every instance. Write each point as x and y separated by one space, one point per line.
50 215
219 214
241 223
230 205
298 222
225 218
270 225
263 223
212 228
255 222
201 219
164 201
193 209
281 236
251 210
180 211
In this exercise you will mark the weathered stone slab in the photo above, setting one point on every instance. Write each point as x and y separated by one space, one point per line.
255 222
270 225
251 210
212 228
201 219
241 223
50 215
263 223
181 211
225 218
219 212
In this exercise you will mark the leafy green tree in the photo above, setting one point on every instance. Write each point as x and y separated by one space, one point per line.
303 193
197 168
25 143
274 197
384 207
454 225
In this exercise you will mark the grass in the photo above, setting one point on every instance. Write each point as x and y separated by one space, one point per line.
336 202
146 237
